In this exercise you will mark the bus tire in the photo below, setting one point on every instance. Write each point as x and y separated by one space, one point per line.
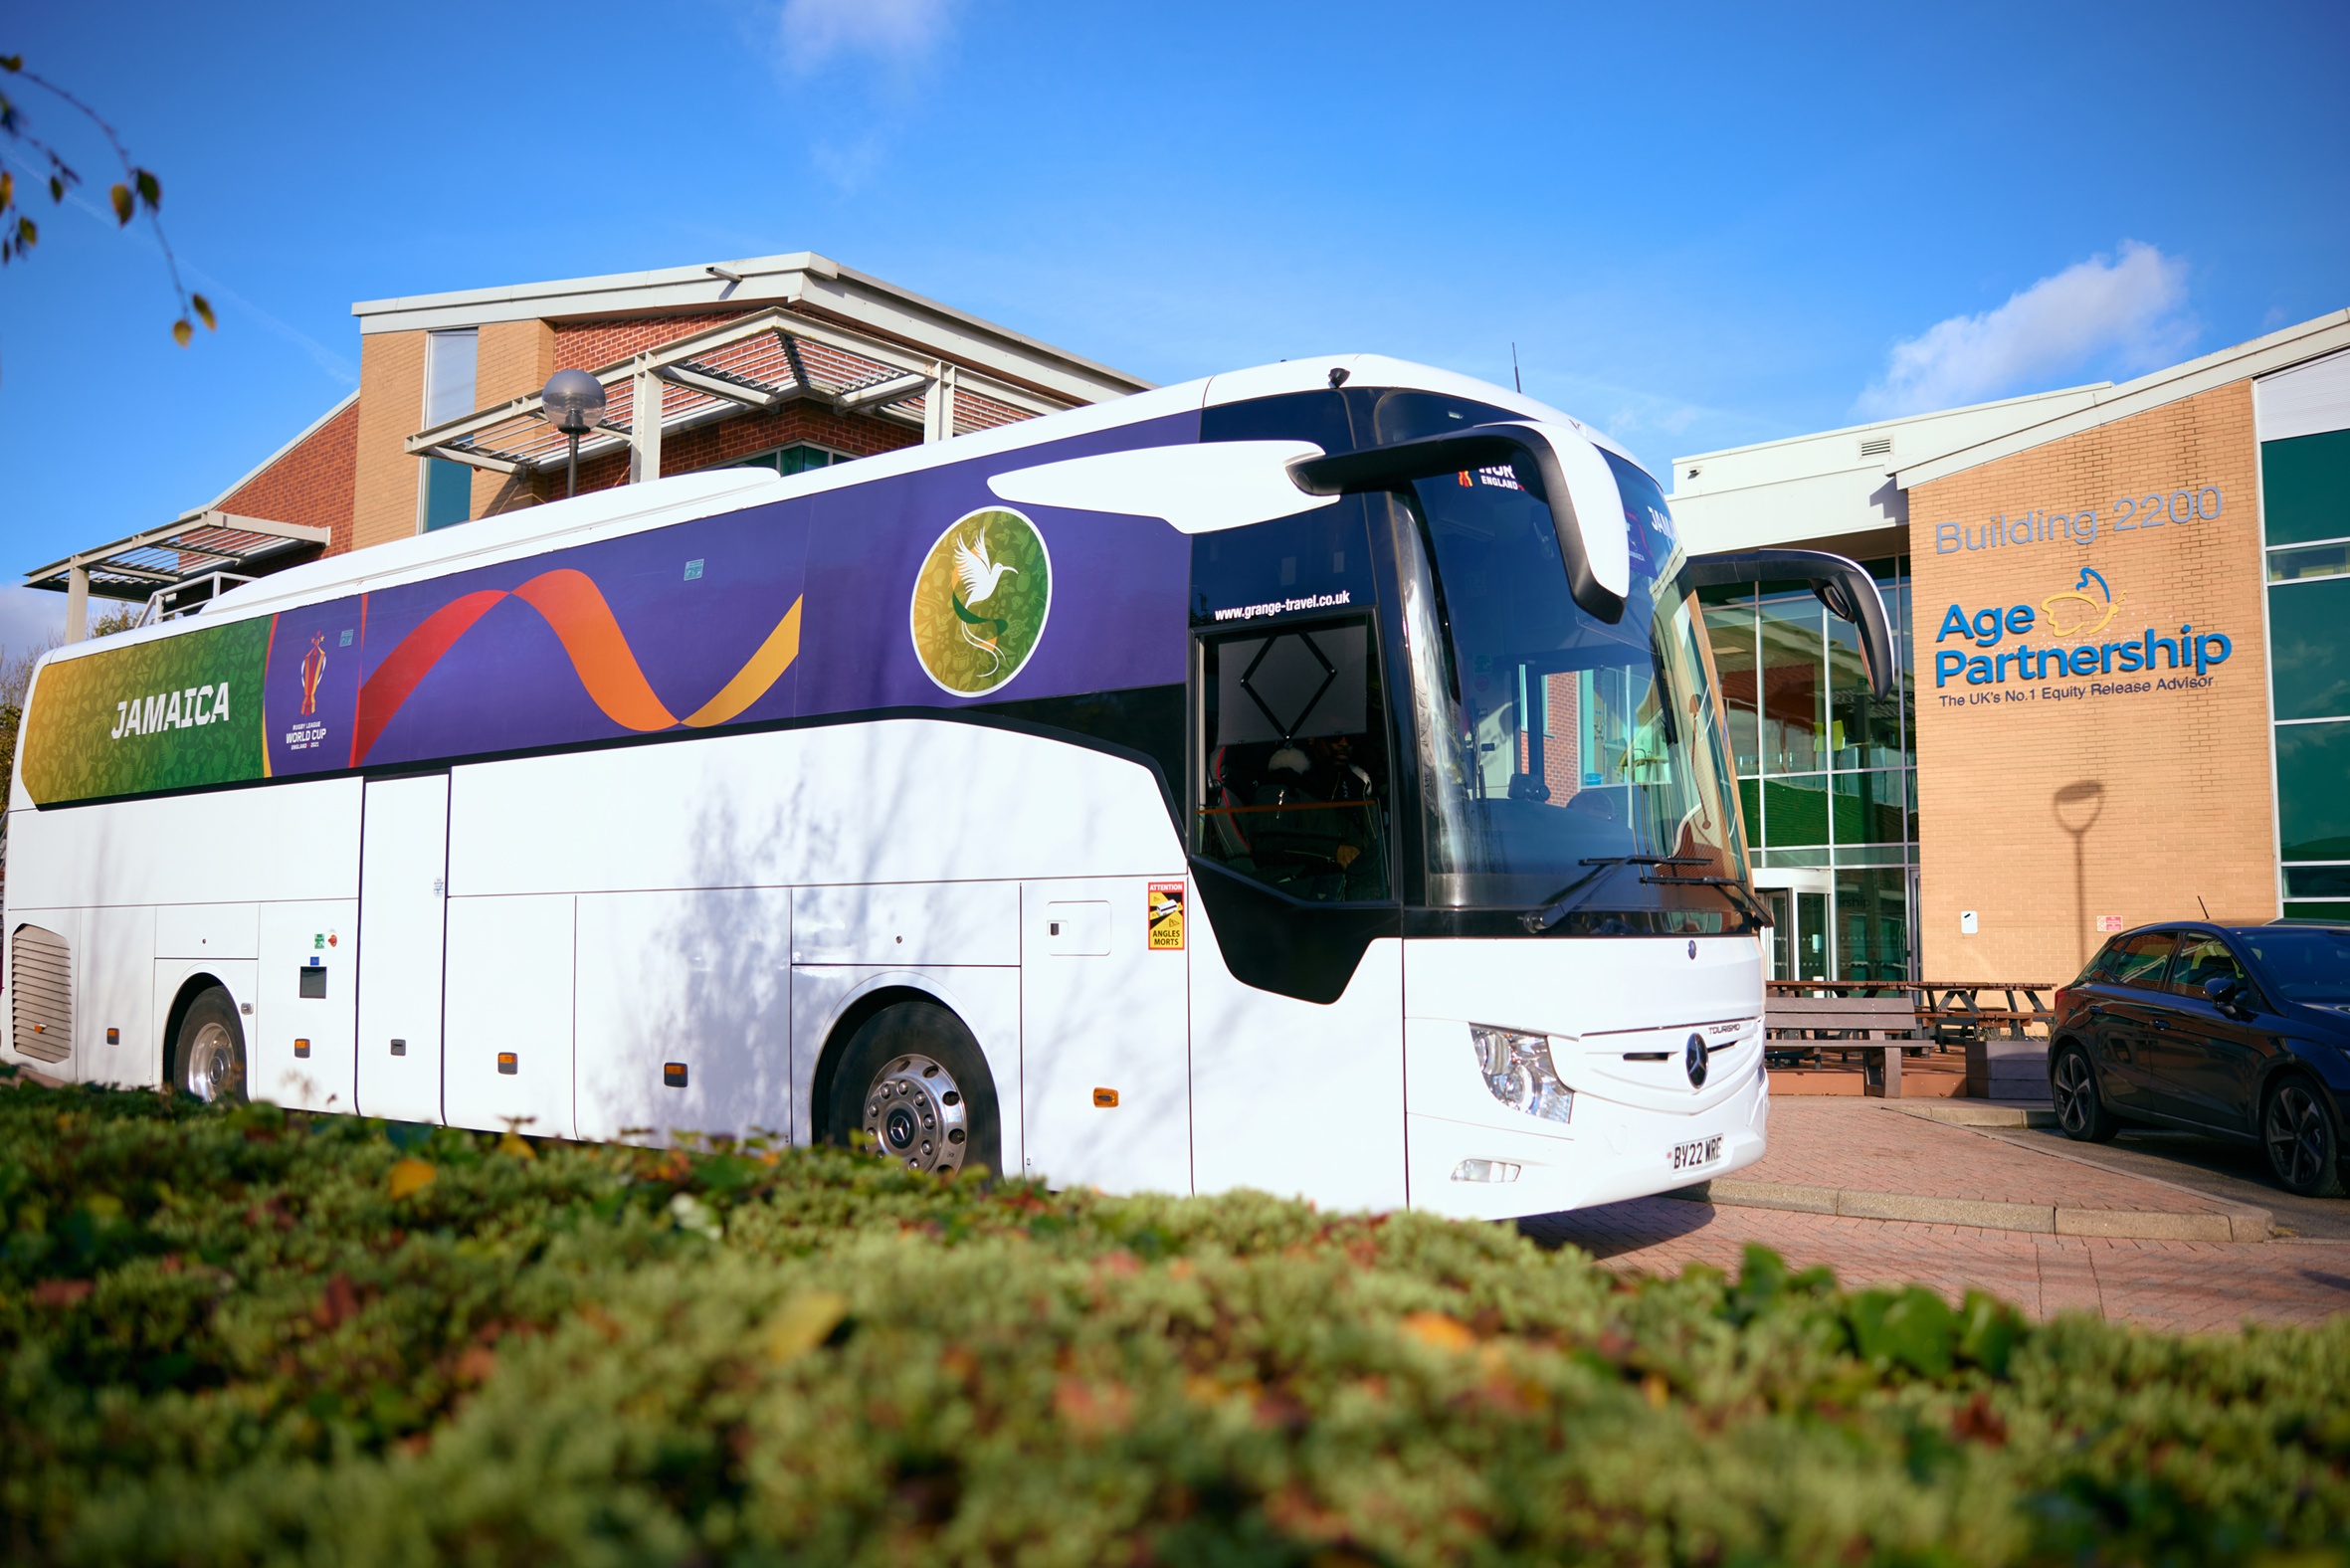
912 1078
208 1055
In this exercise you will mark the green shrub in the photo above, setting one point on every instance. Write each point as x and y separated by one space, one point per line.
227 1340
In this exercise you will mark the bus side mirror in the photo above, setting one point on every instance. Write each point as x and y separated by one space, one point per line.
1554 463
1842 585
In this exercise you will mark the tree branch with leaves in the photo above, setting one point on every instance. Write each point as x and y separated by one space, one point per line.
137 191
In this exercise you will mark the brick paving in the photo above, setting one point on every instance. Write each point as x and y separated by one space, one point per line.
1861 1144
2176 1286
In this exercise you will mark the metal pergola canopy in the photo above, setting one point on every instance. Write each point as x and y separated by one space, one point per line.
200 545
762 361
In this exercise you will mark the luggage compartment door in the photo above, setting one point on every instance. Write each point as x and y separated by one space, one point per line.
1105 1036
403 919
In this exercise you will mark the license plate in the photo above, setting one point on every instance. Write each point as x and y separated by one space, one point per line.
1689 1156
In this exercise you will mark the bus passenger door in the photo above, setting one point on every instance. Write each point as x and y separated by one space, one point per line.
403 886
1104 1070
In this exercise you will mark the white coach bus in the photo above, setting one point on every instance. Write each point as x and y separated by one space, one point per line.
1310 779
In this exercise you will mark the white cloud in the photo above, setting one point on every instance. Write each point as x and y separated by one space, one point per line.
897 32
2128 311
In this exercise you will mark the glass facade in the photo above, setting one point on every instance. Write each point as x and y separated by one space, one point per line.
2305 517
1827 774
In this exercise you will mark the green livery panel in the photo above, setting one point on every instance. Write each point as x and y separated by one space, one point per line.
177 712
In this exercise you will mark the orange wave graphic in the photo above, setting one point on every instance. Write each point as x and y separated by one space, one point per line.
574 609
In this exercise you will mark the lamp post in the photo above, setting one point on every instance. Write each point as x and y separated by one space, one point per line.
572 402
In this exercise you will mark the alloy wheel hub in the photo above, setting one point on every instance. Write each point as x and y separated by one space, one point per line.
916 1115
211 1062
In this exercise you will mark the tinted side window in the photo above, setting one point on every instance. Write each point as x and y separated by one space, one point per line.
2140 959
1406 415
1318 417
2101 968
1319 560
2204 959
1293 767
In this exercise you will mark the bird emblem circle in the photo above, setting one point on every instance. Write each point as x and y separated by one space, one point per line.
980 601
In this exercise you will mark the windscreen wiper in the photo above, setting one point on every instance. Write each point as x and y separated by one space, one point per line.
1536 921
1734 887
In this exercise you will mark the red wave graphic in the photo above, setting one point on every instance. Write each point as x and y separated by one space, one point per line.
574 608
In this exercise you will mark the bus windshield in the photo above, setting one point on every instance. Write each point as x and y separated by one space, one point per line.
1564 758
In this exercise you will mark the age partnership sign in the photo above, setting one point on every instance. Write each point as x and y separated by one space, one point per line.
2161 661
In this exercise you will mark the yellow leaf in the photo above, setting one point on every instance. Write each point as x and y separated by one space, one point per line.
518 1146
1438 1331
411 1176
120 197
181 331
805 1323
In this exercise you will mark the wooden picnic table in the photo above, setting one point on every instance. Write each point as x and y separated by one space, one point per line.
1950 1008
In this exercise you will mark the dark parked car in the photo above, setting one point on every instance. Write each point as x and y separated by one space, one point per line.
2238 1031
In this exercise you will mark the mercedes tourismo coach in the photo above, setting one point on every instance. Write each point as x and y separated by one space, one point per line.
1310 779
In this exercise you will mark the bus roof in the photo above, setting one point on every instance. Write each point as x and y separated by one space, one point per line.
630 508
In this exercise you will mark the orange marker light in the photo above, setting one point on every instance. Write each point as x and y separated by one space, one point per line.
672 1075
1105 1098
301 1047
507 1063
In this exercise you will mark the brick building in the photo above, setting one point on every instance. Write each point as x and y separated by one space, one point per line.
784 361
2123 614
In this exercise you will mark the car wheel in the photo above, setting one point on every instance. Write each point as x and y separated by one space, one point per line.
208 1056
2304 1146
2080 1109
913 1079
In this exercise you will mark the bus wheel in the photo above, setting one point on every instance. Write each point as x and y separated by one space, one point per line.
914 1080
208 1058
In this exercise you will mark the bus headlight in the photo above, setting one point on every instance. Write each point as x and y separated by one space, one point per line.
1517 1068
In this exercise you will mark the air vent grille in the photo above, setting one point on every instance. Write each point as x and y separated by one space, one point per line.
40 989
1876 445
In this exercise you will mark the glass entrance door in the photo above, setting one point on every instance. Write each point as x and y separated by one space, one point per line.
1803 937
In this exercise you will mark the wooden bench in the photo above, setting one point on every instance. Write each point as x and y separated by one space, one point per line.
1882 1024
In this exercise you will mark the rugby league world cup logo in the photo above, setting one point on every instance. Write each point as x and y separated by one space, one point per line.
314 670
980 601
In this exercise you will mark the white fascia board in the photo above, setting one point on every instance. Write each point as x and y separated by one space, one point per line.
2017 401
768 280
1818 506
2308 341
1917 435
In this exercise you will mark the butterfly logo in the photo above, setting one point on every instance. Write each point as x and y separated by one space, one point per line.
2093 613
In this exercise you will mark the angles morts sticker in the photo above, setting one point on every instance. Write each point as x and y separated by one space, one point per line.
980 601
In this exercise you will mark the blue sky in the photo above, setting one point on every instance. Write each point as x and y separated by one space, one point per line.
1701 226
